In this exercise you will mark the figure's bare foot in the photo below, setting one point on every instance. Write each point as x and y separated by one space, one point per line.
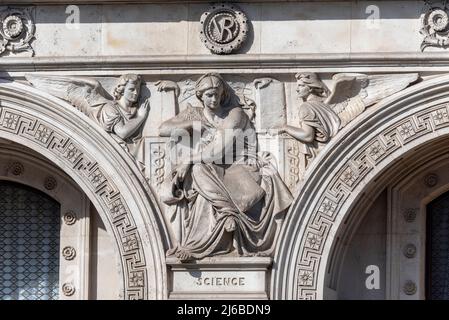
183 255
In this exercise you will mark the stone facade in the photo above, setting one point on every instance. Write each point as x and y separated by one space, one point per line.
138 111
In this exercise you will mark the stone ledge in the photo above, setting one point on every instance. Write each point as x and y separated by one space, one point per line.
221 262
220 278
181 64
207 296
155 1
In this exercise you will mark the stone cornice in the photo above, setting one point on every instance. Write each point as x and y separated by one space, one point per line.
151 1
114 65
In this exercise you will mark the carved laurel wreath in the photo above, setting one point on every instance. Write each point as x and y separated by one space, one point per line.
435 27
16 30
224 28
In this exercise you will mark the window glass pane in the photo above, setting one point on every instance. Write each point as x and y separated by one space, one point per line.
29 244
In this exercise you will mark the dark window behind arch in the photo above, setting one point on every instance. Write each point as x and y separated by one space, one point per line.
29 243
437 249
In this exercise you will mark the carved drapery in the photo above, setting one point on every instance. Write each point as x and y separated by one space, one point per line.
351 161
320 115
94 160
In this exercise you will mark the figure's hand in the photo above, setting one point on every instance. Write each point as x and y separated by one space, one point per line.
142 112
166 85
277 130
181 171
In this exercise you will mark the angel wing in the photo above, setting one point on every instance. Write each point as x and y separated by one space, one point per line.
81 92
352 93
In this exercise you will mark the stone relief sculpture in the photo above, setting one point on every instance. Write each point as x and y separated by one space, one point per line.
229 193
225 201
224 28
323 112
117 114
16 31
435 26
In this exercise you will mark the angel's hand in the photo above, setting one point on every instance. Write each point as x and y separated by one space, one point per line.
142 112
166 85
277 130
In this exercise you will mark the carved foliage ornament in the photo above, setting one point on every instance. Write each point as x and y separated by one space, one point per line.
435 26
224 28
16 30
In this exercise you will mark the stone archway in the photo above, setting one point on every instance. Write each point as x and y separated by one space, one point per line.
340 175
105 172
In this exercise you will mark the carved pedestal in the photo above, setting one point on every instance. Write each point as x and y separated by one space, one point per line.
220 278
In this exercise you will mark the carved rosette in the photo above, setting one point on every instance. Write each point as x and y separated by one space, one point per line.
68 289
69 253
224 28
410 214
431 180
435 28
50 183
410 288
16 168
16 30
69 218
410 250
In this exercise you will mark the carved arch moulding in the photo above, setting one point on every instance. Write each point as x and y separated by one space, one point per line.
96 163
355 157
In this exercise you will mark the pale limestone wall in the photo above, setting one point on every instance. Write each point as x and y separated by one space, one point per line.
104 273
367 247
277 28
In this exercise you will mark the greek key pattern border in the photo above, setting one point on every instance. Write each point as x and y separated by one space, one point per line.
351 174
65 149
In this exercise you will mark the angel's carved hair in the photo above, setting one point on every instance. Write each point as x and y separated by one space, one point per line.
123 81
312 81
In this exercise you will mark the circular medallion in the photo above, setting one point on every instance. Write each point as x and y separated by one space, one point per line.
438 20
410 214
50 183
224 28
68 289
69 253
69 218
431 180
16 30
12 26
410 250
16 168
409 288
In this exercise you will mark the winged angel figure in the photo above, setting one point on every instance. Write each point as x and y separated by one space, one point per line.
323 112
117 114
